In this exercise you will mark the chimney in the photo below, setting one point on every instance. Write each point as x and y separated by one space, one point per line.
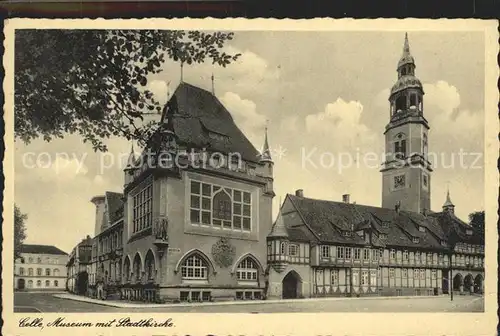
299 192
345 198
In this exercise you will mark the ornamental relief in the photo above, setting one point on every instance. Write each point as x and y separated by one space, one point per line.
223 252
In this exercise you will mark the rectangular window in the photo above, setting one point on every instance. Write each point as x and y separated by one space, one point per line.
417 257
415 274
373 278
405 256
422 274
142 209
416 240
405 273
391 273
348 252
220 207
293 250
434 274
335 277
340 252
325 251
364 278
375 255
357 253
366 254
393 254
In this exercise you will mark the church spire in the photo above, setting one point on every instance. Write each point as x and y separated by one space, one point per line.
448 205
266 151
406 58
131 158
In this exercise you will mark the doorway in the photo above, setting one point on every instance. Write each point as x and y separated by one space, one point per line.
21 284
292 285
82 283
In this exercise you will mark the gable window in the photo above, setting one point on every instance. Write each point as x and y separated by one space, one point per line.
142 209
325 251
340 252
416 240
194 267
247 270
220 207
293 250
335 277
357 253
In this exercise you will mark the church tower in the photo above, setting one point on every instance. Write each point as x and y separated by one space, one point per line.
406 170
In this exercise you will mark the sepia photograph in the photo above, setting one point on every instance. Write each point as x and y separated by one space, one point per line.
164 168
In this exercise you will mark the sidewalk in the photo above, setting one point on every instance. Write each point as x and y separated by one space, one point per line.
124 304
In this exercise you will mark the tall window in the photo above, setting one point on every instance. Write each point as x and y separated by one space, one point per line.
348 252
30 271
400 146
56 283
405 255
293 250
393 254
247 270
373 278
47 271
391 272
194 267
357 253
47 283
39 283
21 270
364 278
143 208
30 283
335 277
340 252
38 271
325 251
56 272
424 144
218 207
283 248
366 254
422 274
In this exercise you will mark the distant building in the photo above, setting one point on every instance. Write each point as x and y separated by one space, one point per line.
79 260
40 268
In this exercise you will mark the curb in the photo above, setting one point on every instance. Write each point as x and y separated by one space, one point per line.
227 303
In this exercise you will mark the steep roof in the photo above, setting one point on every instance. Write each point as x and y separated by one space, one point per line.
115 206
41 249
330 221
201 120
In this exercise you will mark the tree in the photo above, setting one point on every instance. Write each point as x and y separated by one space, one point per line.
19 230
476 220
93 82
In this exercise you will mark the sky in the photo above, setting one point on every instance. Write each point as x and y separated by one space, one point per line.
324 98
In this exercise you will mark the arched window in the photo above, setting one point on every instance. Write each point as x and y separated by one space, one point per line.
47 272
222 208
39 283
56 272
38 271
30 283
150 265
126 269
30 271
21 270
56 283
47 283
401 102
400 146
118 270
247 270
30 260
137 267
39 260
194 267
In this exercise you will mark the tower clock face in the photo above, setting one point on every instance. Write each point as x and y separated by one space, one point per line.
399 181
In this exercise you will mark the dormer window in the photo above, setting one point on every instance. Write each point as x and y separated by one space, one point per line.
360 233
416 240
347 233
382 236
421 229
385 224
443 243
468 232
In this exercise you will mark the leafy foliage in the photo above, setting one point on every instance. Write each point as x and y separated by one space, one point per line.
93 82
19 230
476 220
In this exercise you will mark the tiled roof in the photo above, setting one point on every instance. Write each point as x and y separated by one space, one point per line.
330 220
41 249
197 113
115 206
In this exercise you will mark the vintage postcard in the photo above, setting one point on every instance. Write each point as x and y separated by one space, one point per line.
250 177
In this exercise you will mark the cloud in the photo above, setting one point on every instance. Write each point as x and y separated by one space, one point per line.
245 115
340 123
